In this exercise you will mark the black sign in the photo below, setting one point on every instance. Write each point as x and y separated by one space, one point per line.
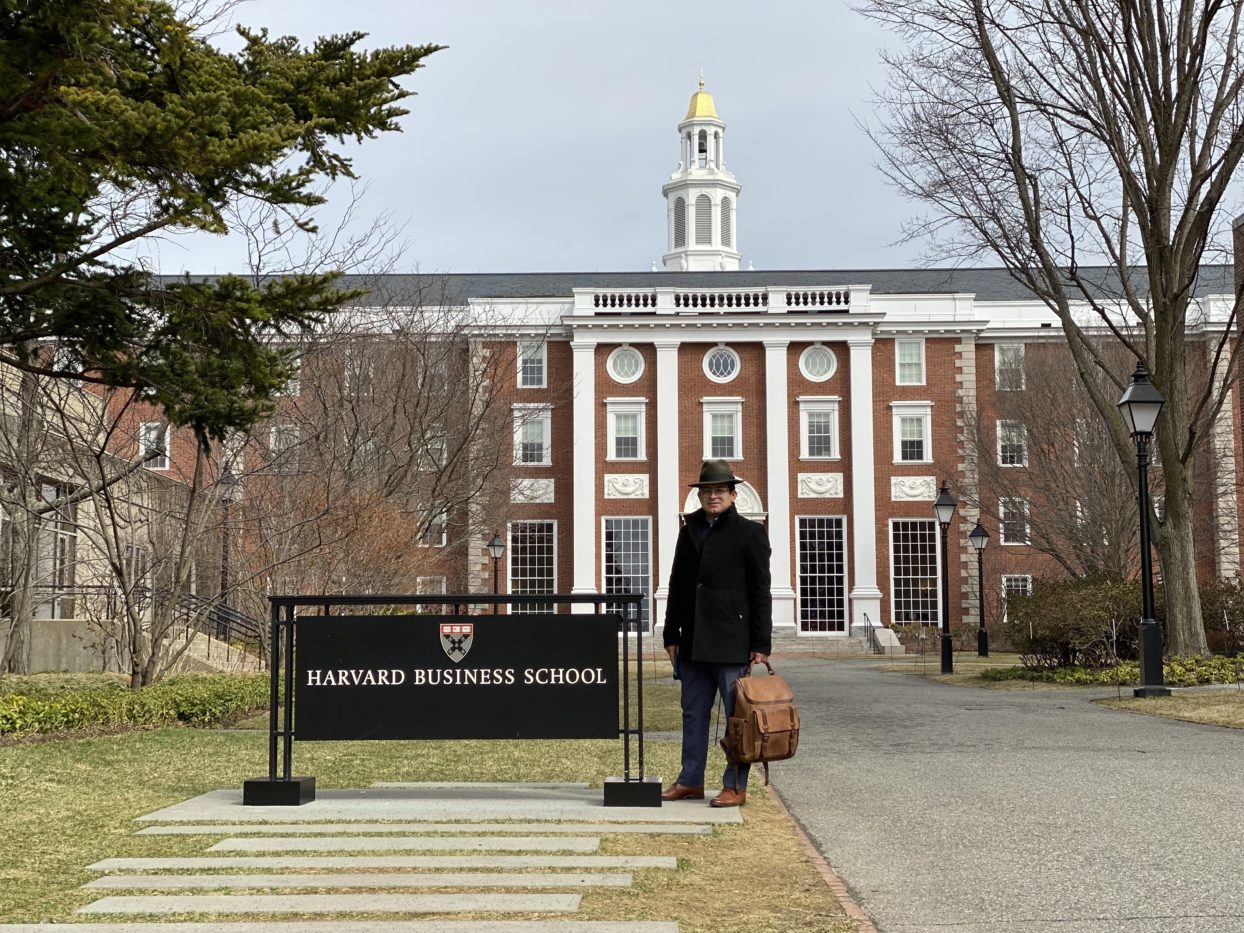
456 677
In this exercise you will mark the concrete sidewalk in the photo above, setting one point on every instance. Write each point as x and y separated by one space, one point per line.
986 811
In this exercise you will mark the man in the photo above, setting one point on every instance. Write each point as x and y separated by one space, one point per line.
718 622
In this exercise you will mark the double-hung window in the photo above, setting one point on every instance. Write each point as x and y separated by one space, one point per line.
532 364
154 436
1013 520
909 361
818 428
1009 366
626 428
1012 444
913 432
723 420
533 427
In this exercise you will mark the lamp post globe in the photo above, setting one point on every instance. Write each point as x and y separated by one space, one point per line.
496 549
1140 406
944 510
979 538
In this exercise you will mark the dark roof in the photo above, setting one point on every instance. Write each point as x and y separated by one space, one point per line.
987 284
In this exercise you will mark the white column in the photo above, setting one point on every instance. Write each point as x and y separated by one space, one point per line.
669 499
865 597
584 473
777 462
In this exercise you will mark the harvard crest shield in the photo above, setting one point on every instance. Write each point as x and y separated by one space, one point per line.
456 638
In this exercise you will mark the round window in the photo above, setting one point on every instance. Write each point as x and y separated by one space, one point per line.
721 364
625 364
818 363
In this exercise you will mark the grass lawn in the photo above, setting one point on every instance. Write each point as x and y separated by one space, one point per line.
1216 707
69 802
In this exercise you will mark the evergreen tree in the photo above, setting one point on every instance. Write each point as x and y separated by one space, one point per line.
120 120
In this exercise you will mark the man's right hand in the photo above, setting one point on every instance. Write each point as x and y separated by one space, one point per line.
672 651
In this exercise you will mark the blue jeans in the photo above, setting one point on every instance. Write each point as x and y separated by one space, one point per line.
701 683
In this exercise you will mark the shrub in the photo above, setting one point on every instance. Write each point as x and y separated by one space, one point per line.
1179 672
1088 622
196 700
1222 609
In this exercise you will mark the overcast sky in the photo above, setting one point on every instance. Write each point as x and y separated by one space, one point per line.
540 138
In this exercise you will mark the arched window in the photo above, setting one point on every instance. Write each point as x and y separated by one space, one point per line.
702 149
703 221
680 223
727 223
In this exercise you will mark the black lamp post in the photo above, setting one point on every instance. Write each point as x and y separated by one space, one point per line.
979 538
944 509
1139 406
496 548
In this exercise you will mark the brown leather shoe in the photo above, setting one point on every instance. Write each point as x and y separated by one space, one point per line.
678 792
729 798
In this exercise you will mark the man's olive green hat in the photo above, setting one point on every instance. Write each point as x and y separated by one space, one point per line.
714 472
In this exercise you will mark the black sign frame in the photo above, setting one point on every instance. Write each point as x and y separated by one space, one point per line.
282 788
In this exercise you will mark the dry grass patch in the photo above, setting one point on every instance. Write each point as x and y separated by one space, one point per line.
1213 707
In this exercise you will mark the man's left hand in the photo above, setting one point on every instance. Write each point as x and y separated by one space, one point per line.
757 658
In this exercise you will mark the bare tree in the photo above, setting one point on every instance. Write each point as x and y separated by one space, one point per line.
1079 502
1050 133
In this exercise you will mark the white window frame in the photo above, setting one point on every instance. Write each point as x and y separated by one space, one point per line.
293 387
715 348
998 368
441 519
803 624
541 346
1023 442
283 456
813 404
937 562
722 406
1002 520
646 608
525 414
803 363
610 364
921 410
1005 579
509 563
626 406
899 343
145 446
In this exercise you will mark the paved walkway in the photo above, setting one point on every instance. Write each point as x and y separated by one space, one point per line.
986 811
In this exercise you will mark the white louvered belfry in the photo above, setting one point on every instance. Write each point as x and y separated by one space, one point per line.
703 194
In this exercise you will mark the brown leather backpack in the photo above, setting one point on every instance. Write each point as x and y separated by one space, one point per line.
765 724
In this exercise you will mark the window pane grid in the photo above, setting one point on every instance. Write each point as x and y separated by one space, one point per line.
532 569
628 562
820 434
822 575
1014 524
913 548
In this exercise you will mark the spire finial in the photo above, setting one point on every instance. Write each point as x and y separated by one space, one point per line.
701 77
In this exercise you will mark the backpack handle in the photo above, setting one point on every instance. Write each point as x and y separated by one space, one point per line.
753 664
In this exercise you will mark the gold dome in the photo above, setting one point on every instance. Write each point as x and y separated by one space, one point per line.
702 105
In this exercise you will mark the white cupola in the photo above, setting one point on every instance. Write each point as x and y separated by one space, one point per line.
701 197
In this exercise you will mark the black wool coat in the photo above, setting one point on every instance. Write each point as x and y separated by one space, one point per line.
720 608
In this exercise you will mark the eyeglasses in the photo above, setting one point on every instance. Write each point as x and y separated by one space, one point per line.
715 491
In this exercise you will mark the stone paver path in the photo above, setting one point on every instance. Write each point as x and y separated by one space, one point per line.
558 827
